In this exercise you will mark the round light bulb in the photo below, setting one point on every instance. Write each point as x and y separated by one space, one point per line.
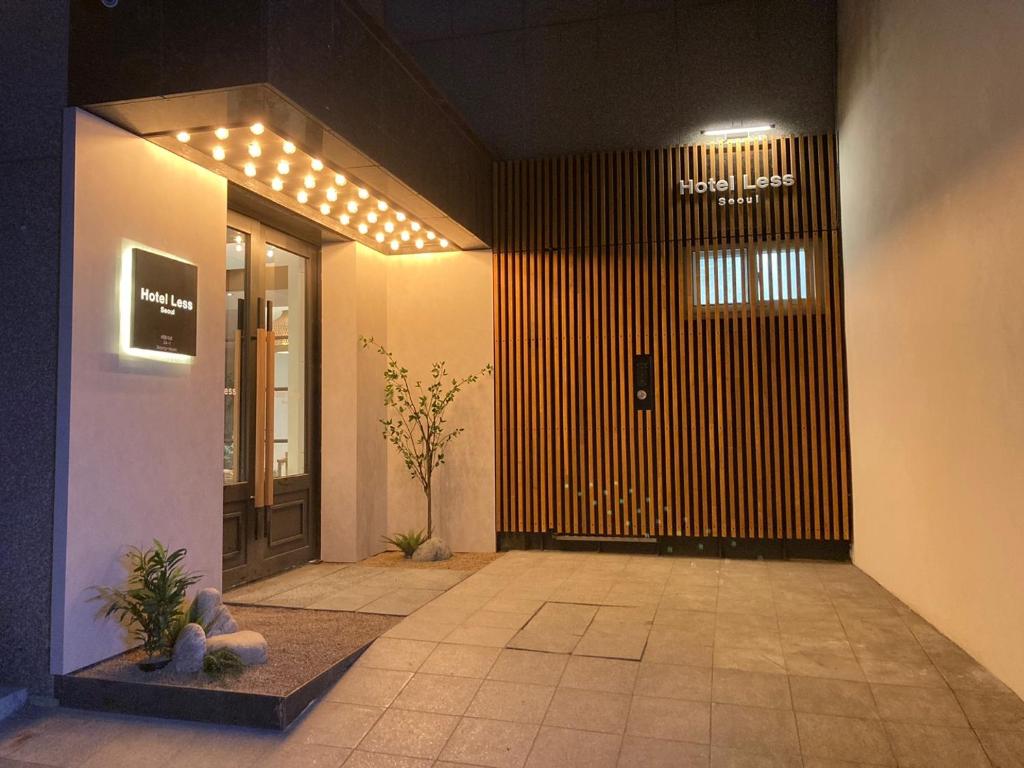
250 170
221 133
379 237
183 136
332 194
309 181
382 206
394 245
301 196
270 253
371 217
317 164
415 225
340 180
283 167
404 236
352 206
363 193
277 184
288 147
254 149
218 153
443 243
256 128
325 208
430 235
363 229
419 242
399 215
389 226
345 219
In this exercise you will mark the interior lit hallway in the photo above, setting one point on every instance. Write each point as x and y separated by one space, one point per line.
564 659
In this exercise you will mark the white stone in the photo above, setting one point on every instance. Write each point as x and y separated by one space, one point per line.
250 646
432 549
213 614
189 649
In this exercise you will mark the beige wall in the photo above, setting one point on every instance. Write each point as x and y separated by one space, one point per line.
144 436
423 308
439 308
931 138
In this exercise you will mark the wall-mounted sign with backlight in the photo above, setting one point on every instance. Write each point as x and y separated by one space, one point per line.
158 306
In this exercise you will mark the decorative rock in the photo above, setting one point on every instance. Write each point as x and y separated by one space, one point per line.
250 646
213 614
189 649
432 549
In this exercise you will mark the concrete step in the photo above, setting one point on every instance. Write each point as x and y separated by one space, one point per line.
11 700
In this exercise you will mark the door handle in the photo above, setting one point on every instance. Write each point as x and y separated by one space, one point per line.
268 461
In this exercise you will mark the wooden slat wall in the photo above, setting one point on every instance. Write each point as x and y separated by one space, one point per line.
595 262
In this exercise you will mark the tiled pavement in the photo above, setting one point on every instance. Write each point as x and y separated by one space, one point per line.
556 659
338 587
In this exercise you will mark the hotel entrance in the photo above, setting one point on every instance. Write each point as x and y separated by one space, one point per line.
271 440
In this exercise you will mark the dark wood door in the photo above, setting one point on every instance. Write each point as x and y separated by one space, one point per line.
271 439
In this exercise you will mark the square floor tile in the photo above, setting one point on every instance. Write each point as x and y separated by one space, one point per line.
933 746
393 653
401 602
368 685
565 748
492 636
674 681
755 689
844 738
596 674
825 696
337 725
440 694
535 667
754 729
642 752
518 702
360 759
293 755
824 665
416 628
490 743
614 641
589 710
749 660
727 757
672 719
408 733
927 706
546 640
460 660
916 673
1000 711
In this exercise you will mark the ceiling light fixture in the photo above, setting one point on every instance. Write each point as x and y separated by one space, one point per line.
256 128
222 134
738 130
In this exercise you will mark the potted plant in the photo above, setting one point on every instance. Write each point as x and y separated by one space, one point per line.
152 603
416 421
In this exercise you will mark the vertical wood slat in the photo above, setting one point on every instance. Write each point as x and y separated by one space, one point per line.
596 259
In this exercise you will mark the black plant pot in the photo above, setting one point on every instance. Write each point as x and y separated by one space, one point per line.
154 664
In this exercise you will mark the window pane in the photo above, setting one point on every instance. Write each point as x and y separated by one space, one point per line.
720 277
236 249
783 274
286 288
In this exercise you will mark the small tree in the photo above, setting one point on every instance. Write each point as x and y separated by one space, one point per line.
416 423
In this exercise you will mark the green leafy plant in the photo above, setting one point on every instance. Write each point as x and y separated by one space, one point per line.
407 542
151 604
416 421
222 662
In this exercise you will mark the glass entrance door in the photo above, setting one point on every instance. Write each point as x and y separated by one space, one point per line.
271 504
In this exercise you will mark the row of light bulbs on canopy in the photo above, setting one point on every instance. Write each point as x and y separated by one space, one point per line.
387 225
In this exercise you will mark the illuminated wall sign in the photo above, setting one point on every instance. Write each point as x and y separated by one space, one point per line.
158 306
749 191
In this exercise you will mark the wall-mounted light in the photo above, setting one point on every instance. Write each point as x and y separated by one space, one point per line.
742 131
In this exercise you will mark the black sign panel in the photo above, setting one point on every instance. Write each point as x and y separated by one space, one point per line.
643 382
163 303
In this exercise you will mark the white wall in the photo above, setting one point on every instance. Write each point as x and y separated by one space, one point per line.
931 139
144 437
423 308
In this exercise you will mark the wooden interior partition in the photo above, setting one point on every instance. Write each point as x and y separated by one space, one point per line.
602 257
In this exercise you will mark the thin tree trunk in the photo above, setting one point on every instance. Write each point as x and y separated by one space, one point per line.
430 521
